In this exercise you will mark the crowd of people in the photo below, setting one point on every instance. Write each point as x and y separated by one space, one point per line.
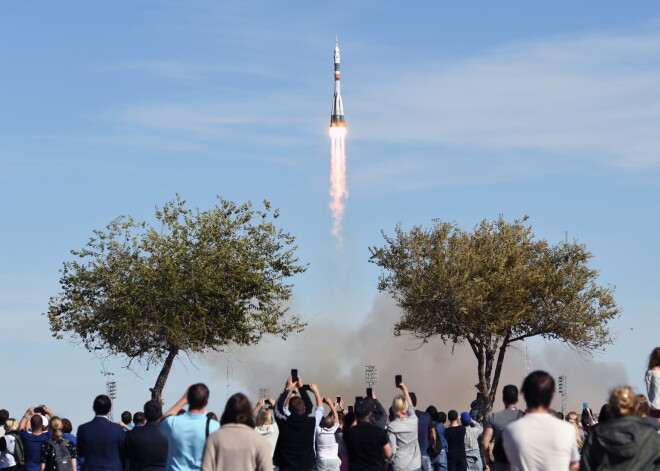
293 434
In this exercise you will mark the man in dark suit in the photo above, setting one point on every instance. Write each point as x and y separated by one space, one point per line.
146 446
100 441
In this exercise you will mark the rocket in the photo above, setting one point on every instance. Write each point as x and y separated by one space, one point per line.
337 114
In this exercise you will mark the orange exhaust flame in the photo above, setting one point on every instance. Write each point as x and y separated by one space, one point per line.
338 189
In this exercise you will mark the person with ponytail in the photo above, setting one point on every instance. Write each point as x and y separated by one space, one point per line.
624 441
58 453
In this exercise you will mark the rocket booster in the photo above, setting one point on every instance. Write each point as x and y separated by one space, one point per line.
337 114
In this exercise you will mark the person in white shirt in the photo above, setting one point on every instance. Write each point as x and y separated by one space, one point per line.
327 444
540 441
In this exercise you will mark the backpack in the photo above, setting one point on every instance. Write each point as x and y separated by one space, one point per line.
18 450
62 455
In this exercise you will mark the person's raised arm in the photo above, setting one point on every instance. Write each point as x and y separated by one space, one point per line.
176 407
333 408
258 407
48 412
404 389
317 395
23 424
305 397
283 400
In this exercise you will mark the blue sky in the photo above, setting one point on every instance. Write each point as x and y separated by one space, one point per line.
459 111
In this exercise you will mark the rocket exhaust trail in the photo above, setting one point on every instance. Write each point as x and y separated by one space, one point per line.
338 188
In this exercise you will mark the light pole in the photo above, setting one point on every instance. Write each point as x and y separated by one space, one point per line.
110 389
370 375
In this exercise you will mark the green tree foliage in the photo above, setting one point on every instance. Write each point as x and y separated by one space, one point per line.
492 287
198 281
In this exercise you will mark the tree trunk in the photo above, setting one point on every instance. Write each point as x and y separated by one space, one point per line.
494 383
157 390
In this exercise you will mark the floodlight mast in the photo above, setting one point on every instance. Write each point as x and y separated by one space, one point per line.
370 375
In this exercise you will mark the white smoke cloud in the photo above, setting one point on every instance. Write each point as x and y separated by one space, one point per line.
332 354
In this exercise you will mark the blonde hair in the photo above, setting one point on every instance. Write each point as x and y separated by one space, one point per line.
56 427
572 418
622 401
399 406
11 425
264 417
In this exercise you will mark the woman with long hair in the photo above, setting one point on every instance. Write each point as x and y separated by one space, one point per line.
622 442
402 433
572 418
57 453
266 425
653 383
236 445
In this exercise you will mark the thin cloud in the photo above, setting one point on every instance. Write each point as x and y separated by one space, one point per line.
592 95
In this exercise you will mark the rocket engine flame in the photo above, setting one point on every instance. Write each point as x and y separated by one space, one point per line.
338 188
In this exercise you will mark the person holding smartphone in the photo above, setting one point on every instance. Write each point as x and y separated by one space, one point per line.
402 433
294 449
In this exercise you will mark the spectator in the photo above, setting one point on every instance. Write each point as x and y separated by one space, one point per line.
58 453
12 455
623 442
186 433
425 431
327 446
265 423
642 410
440 462
366 444
146 447
378 413
100 441
4 415
347 420
237 446
455 436
540 441
402 433
572 418
494 426
139 419
473 431
295 444
126 420
653 382
32 440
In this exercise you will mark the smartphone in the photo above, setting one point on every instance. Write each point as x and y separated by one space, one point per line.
398 379
338 399
39 410
358 399
294 375
370 392
350 409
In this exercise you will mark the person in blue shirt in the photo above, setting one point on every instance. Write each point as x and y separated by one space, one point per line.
186 434
33 439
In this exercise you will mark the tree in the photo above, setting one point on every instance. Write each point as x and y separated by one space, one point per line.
199 281
491 288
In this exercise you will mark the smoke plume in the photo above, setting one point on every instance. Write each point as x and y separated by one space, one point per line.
332 353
